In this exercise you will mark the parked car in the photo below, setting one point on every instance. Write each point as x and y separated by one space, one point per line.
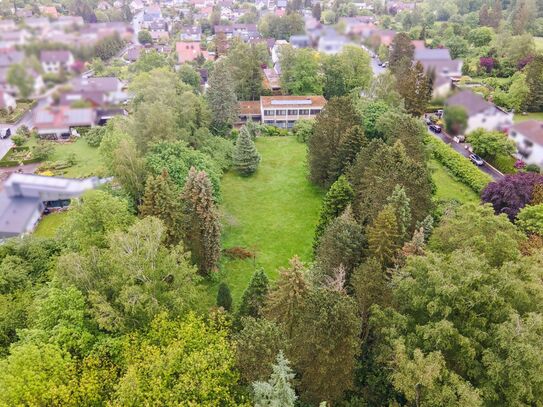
385 64
475 159
5 133
435 128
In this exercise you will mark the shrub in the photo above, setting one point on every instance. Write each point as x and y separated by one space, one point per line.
272 131
18 140
23 131
533 168
43 151
459 165
94 136
303 129
505 164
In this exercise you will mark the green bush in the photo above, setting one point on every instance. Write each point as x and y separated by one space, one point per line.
272 131
533 168
458 165
18 140
93 136
504 163
303 129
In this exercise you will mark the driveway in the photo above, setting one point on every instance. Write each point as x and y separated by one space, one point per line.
5 145
459 147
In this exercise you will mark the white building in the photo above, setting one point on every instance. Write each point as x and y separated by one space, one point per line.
54 61
528 136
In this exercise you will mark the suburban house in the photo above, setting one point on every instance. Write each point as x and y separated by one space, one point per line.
528 136
13 90
7 102
57 122
189 51
111 87
248 111
191 33
284 111
25 196
244 31
331 42
481 114
358 26
55 61
300 41
438 62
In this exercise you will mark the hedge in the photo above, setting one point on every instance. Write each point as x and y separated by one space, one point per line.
458 165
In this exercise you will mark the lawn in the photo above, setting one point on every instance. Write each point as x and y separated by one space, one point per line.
273 213
448 188
49 224
528 116
539 43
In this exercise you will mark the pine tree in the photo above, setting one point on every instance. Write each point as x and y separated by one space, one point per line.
245 157
202 227
161 199
351 144
254 296
286 298
383 236
415 87
222 99
401 53
278 391
534 80
224 298
400 203
338 197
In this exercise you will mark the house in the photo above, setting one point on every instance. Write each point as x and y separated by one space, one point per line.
8 25
331 42
481 114
13 90
245 31
136 6
191 33
10 57
152 13
438 63
110 87
25 196
248 111
284 111
133 53
189 51
49 11
12 39
7 102
361 25
528 136
381 37
55 61
300 41
434 54
68 22
57 122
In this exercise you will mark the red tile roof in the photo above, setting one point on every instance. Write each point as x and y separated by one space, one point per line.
189 51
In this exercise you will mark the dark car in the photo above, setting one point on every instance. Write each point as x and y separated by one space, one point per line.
435 128
475 159
5 133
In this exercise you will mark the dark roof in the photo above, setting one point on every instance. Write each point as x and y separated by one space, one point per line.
432 53
55 56
472 102
98 84
530 129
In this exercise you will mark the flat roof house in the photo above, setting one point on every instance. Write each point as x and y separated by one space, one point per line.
528 136
284 111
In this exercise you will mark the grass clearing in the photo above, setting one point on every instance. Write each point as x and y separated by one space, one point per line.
272 213
448 187
539 43
528 116
49 224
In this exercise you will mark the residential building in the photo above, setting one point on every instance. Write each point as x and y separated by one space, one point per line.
245 31
361 25
25 196
55 61
481 113
438 63
189 51
58 122
249 111
300 41
528 136
7 102
14 91
191 33
7 25
331 42
10 57
284 111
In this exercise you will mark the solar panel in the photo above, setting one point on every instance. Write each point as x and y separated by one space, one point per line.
291 102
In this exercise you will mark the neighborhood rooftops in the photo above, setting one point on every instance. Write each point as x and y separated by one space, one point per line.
103 84
55 56
531 130
472 102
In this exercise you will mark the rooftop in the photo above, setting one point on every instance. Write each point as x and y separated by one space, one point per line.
292 101
530 129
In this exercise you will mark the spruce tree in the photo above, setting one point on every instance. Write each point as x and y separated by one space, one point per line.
383 236
221 97
400 203
161 199
224 298
202 227
286 298
254 296
278 391
245 157
350 146
338 197
534 80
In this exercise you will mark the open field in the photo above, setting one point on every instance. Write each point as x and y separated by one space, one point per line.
448 188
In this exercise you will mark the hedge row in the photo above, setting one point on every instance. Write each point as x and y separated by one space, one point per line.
458 165
14 163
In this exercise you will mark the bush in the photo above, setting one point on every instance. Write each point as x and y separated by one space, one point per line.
43 151
505 164
94 136
272 131
303 129
18 140
533 168
459 165
23 131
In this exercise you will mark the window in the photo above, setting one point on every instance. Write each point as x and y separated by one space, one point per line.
315 111
269 112
304 112
528 143
280 112
268 121
292 112
281 123
290 124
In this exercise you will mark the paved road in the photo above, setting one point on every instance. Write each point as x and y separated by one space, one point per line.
447 139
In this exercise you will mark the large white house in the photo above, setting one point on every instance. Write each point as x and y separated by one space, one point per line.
481 113
528 136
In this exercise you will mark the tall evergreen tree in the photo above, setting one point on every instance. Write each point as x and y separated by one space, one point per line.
278 390
534 80
285 299
352 143
338 197
245 158
224 298
254 296
401 53
415 87
161 199
383 236
400 203
202 227
222 99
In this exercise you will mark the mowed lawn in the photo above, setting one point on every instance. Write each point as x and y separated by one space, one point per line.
528 116
272 213
448 188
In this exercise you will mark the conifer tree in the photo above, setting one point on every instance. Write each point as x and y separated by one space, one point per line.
224 298
338 197
222 99
534 80
161 199
383 236
349 148
245 158
254 296
286 298
278 391
427 225
400 203
202 227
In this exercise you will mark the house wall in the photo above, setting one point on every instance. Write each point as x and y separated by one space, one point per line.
488 121
285 117
531 153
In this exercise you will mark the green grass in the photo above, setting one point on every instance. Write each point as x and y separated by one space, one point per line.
539 43
528 116
273 213
448 188
49 224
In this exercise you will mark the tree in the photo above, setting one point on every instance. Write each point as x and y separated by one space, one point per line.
254 296
401 53
19 77
278 390
530 219
257 344
128 166
316 12
303 129
221 97
325 345
149 61
330 130
481 36
456 119
393 126
371 112
353 141
400 203
415 87
383 237
300 72
108 47
202 227
347 71
490 144
245 158
245 68
144 37
512 193
224 298
534 80
190 76
161 200
281 28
